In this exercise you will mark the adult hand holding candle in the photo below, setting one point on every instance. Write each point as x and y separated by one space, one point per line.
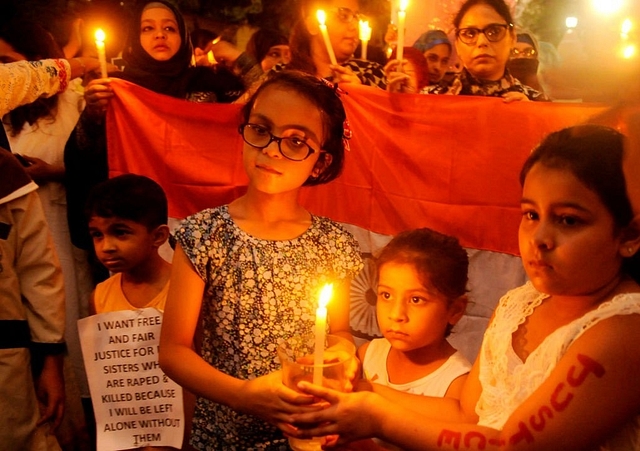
322 17
321 324
102 57
402 15
365 36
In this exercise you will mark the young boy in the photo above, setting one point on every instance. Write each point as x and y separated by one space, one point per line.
127 217
128 223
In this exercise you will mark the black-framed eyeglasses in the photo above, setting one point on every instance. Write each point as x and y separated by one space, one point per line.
346 15
494 32
529 52
292 147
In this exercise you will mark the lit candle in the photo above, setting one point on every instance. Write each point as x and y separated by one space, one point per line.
392 9
321 323
102 57
365 36
402 15
325 35
210 58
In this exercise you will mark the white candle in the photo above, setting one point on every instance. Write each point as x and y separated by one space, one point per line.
321 324
365 36
322 17
102 57
402 15
392 9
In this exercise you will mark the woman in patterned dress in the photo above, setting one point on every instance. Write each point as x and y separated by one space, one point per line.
252 269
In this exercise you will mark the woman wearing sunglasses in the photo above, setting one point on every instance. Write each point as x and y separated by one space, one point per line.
484 39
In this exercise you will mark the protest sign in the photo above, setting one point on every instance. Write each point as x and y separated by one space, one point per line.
135 403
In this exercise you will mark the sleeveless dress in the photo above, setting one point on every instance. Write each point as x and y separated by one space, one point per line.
507 381
434 384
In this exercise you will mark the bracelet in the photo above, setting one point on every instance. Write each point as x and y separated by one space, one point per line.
81 63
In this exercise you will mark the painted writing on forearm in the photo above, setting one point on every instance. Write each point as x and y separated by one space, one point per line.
558 402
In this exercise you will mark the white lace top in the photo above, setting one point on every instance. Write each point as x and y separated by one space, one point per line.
23 82
507 381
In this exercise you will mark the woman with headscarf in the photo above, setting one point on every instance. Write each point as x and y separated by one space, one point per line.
524 62
157 56
269 47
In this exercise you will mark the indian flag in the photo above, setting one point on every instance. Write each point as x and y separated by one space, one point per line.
450 163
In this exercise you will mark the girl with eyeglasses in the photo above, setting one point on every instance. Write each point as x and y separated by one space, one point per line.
484 39
251 270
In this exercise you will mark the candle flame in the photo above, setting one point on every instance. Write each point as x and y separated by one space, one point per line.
325 295
100 36
322 17
365 30
404 4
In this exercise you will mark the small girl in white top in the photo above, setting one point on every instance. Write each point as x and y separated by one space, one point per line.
422 279
421 296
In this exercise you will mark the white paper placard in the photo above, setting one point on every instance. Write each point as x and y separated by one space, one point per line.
135 404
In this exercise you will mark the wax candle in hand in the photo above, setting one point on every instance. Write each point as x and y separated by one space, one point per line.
321 324
322 17
102 57
365 36
402 15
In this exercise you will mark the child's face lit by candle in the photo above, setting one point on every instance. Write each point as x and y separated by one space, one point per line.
283 114
159 33
412 316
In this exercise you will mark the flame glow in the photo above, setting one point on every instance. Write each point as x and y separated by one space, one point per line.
321 16
325 295
100 36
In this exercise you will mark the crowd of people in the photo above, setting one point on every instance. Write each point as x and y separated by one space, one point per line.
558 361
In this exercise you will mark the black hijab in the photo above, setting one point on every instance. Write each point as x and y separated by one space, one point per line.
174 77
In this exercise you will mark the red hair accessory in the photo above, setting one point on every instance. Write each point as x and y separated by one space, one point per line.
347 134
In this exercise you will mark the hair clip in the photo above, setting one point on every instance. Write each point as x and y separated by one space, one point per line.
334 86
347 134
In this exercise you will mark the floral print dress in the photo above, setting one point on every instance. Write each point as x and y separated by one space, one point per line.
258 293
